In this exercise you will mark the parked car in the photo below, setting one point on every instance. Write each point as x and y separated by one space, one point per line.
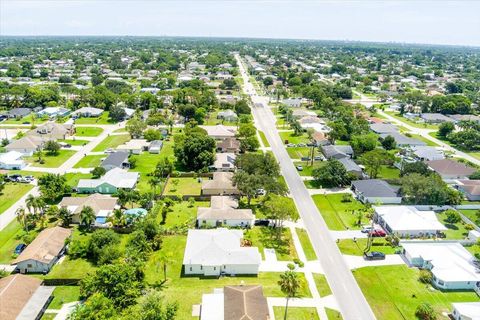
366 229
261 192
301 145
23 180
310 144
109 150
374 255
378 233
13 177
29 178
319 158
291 145
19 248
299 168
306 158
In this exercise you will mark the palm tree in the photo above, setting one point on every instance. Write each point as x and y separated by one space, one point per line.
30 203
22 217
289 284
153 182
165 259
117 218
87 216
64 215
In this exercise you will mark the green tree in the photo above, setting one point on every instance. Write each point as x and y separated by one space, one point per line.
53 186
279 209
97 172
152 306
152 134
87 217
445 129
96 307
22 217
333 174
389 143
65 216
117 113
425 312
289 284
135 127
195 150
373 160
431 190
52 147
363 143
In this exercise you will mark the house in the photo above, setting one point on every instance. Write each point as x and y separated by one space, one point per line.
19 113
229 145
235 303
351 166
53 131
407 221
337 151
464 117
299 113
213 252
223 211
129 112
227 115
466 311
220 132
155 146
376 191
88 112
450 169
383 128
402 140
110 183
224 162
134 146
27 145
40 255
117 159
54 112
471 189
102 205
427 153
12 160
452 266
23 297
221 184
292 102
320 139
435 118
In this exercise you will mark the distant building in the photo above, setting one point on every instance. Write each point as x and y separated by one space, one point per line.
450 169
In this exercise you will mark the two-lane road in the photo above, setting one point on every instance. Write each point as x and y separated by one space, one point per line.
351 301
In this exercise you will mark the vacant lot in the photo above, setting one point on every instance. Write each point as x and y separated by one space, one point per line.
11 193
265 237
88 131
50 160
103 119
292 138
183 186
111 142
90 161
338 214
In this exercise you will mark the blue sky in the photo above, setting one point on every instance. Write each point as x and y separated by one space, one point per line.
413 21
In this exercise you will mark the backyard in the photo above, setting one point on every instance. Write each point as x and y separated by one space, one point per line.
339 215
88 131
183 186
51 160
265 237
112 142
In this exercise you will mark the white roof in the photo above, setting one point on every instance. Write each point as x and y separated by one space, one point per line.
407 218
134 144
468 309
214 247
213 306
224 160
90 110
450 260
11 157
220 131
116 177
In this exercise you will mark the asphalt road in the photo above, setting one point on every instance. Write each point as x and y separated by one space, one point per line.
351 301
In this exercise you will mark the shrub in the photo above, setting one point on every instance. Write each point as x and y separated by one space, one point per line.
452 216
299 262
425 312
425 276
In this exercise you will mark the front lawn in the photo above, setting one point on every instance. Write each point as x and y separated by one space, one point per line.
51 160
74 142
333 314
348 246
112 142
292 138
394 292
265 237
306 244
296 313
183 186
72 178
64 294
322 284
307 168
338 215
90 161
421 138
11 193
103 119
455 230
88 131
299 152
9 240
26 120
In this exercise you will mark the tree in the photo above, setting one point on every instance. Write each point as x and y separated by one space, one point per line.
52 147
164 167
117 113
389 143
333 174
445 129
135 127
289 284
152 134
53 186
247 135
87 216
22 217
117 219
279 209
374 159
363 143
247 184
195 150
151 306
97 172
428 190
96 307
65 216
242 107
452 216
414 167
127 196
425 312
425 276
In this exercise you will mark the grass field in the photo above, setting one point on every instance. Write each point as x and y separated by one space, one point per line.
333 314
306 244
51 161
265 237
292 138
296 313
103 119
26 119
88 131
11 193
264 139
337 214
72 178
387 172
348 246
90 161
183 214
410 122
9 240
112 142
394 292
455 230
184 186
64 294
322 284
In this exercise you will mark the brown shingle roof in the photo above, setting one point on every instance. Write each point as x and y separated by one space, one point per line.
15 291
245 303
96 201
46 246
447 166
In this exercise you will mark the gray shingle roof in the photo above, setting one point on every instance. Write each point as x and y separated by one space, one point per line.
375 188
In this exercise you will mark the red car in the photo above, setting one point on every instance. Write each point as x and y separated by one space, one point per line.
377 233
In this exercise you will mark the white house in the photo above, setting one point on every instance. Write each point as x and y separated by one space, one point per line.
214 252
452 266
88 112
466 310
12 160
408 221
223 211
53 112
224 162
220 132
134 146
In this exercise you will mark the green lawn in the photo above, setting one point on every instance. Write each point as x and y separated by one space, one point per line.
183 186
88 131
299 152
112 142
9 240
322 284
48 316
296 313
410 122
307 168
387 172
71 269
333 314
25 120
265 237
394 292
103 119
72 178
337 214
306 244
11 193
121 130
64 294
472 215
264 139
348 246
183 214
74 142
292 138
90 161
455 230
51 161
419 137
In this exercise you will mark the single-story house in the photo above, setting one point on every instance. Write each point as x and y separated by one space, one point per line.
299 113
53 112
235 303
213 252
220 132
228 115
464 117
471 189
449 169
221 184
320 139
102 205
435 118
53 131
110 183
351 166
134 146
229 145
466 310
40 255
427 153
407 221
88 112
155 146
337 151
224 162
451 264
383 128
129 112
23 297
117 159
402 140
27 145
305 120
19 113
292 102
376 191
12 160
224 210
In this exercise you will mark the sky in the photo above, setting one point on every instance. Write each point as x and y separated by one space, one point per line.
406 21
